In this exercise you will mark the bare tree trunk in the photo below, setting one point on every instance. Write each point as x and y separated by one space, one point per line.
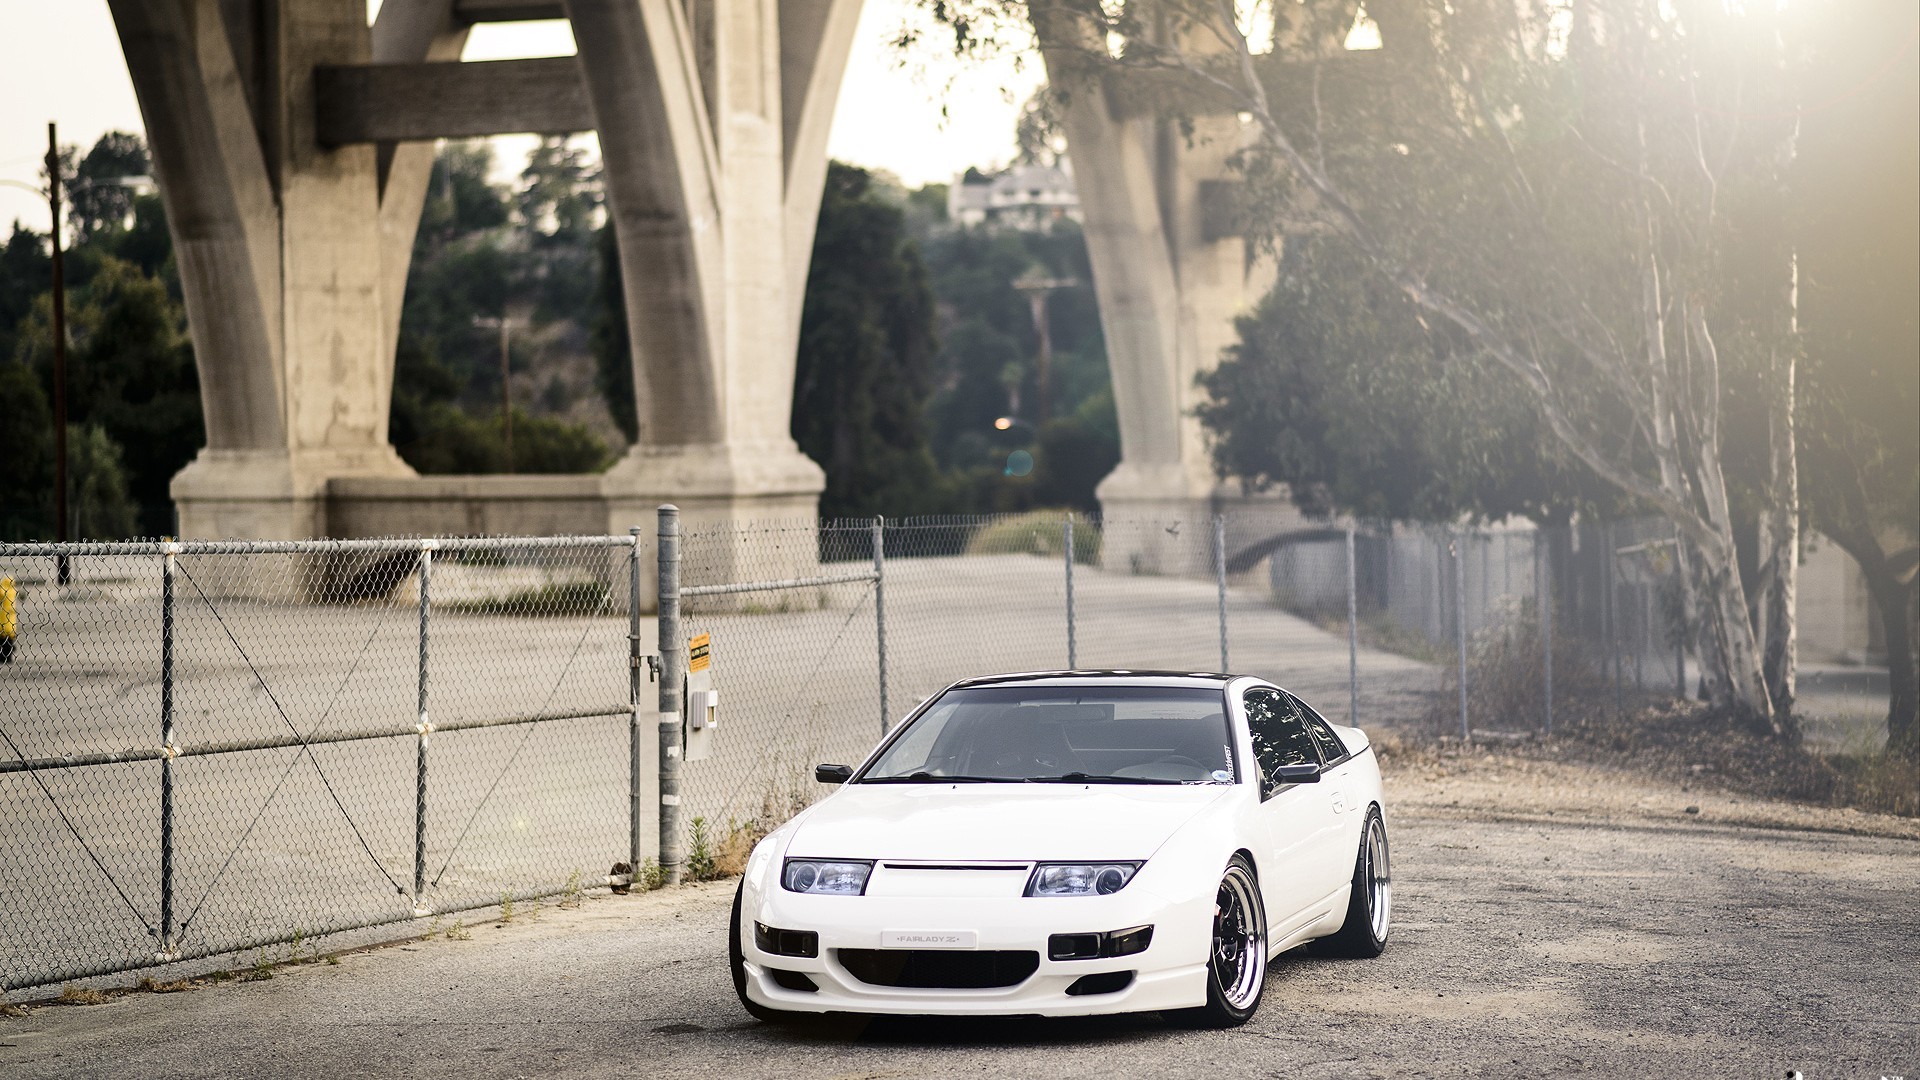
1898 604
1779 550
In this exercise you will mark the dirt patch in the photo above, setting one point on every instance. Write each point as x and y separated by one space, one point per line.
1547 780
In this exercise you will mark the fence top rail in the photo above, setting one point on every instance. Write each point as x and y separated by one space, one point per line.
310 547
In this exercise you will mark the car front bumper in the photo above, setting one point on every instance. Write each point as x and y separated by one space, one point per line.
1169 974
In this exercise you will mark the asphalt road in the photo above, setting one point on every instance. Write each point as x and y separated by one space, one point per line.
1629 948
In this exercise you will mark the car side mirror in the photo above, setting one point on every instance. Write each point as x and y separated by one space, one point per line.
1297 774
833 774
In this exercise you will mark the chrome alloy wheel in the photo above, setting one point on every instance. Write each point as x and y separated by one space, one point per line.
1239 939
1379 881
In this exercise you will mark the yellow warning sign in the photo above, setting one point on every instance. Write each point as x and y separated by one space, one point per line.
699 653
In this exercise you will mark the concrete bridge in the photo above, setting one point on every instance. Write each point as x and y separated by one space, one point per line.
293 143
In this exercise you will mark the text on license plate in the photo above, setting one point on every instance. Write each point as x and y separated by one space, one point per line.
929 939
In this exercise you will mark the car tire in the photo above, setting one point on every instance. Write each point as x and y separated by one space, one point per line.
1370 907
737 961
1237 954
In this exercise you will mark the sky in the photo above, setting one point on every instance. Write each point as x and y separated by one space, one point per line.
61 61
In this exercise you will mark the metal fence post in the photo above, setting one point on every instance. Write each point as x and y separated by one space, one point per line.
672 667
1609 615
1460 625
167 750
1680 634
880 612
424 728
1353 638
1067 545
1220 581
1543 573
635 740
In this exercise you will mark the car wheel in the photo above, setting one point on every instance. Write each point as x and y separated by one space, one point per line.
737 960
1237 958
1370 908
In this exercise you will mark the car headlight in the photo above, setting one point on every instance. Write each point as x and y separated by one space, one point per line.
1080 879
832 877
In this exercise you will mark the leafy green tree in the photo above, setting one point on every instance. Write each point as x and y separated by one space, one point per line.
130 373
1339 391
26 271
96 203
864 365
26 446
101 506
987 369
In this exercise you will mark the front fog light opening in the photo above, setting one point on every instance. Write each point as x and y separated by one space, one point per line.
826 877
1134 939
1080 879
772 939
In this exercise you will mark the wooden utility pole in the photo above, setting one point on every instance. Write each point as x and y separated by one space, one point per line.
62 571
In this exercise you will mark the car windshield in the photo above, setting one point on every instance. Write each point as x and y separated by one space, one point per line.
1063 734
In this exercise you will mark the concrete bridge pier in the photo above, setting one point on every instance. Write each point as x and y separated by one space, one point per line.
1171 270
294 143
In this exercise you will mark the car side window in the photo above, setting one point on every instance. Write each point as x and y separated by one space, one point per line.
1279 735
1331 748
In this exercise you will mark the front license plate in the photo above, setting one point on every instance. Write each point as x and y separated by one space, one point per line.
929 939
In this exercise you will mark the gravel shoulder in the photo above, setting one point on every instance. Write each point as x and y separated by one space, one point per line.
1550 918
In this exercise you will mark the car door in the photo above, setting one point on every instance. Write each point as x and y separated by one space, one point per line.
1298 819
1337 783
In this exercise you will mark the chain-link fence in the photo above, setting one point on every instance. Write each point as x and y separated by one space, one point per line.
215 746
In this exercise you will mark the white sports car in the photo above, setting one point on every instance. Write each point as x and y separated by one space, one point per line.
1067 843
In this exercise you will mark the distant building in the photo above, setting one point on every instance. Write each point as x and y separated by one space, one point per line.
1022 197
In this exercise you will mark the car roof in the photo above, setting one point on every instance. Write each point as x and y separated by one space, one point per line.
1103 676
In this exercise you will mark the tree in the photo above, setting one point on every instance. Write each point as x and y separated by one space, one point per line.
864 365
96 203
1339 392
131 375
26 445
1857 196
1562 204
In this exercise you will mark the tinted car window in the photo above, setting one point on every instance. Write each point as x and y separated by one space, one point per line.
1331 748
1037 732
1280 737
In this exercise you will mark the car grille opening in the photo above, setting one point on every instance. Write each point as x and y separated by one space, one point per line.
793 980
940 969
1107 982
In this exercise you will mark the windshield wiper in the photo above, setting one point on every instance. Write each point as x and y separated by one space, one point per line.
930 778
1099 778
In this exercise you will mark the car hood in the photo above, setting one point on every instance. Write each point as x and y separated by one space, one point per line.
998 822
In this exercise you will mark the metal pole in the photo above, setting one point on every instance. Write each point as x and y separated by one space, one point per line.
1353 638
1073 661
62 570
506 387
1460 627
1543 561
672 671
880 612
1609 616
166 760
1220 581
635 741
1680 635
424 728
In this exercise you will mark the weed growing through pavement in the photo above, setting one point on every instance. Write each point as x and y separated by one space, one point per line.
458 931
506 908
77 995
571 894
